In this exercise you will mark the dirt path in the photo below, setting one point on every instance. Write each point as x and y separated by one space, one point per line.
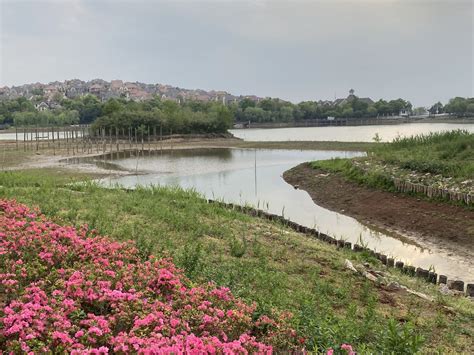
449 227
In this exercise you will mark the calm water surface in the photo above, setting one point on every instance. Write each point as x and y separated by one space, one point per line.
345 133
255 177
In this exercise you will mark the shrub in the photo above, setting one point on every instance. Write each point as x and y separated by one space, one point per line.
64 289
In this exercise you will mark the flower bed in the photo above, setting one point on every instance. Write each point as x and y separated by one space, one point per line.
68 289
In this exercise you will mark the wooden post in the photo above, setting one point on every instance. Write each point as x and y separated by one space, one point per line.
110 140
148 138
36 132
16 136
47 137
117 139
73 141
66 133
83 139
136 139
54 145
104 143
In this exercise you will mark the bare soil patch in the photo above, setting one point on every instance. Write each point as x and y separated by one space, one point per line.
448 226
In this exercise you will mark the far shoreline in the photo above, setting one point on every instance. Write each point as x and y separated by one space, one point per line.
352 123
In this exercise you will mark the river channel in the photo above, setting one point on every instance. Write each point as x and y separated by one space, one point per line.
249 176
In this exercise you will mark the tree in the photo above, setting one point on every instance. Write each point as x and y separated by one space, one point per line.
395 106
221 118
457 106
371 111
256 114
436 108
470 108
418 111
38 91
111 106
308 109
382 107
286 114
347 112
246 102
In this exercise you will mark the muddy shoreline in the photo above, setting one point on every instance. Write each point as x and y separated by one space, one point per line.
48 158
440 224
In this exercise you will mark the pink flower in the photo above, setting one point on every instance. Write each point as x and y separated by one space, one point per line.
79 333
348 348
101 291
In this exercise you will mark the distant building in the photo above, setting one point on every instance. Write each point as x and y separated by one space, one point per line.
350 98
404 113
95 89
42 106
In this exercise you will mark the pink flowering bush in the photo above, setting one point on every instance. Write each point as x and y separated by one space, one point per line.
64 289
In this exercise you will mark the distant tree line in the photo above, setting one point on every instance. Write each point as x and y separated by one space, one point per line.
276 110
168 116
206 117
458 106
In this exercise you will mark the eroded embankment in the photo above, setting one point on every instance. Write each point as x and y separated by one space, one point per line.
449 226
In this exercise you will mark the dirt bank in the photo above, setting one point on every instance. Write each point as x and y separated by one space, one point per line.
449 227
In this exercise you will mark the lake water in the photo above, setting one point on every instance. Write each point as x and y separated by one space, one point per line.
345 133
247 176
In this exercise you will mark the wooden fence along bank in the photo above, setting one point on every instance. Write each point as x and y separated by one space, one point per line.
433 192
428 276
81 139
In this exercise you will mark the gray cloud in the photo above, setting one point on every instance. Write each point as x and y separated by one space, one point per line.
298 50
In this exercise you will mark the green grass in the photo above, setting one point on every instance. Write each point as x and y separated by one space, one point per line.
435 158
449 154
309 145
347 169
260 261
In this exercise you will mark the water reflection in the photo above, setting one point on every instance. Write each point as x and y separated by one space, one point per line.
255 177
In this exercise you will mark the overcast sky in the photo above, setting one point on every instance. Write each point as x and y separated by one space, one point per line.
421 50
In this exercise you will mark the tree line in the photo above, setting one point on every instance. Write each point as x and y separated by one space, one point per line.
169 116
276 110
206 117
458 106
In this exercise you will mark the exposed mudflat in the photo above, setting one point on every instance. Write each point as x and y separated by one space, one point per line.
447 226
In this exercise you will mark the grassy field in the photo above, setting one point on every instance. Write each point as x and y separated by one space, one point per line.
442 160
260 261
450 154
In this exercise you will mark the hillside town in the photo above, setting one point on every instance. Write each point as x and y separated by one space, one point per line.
47 95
